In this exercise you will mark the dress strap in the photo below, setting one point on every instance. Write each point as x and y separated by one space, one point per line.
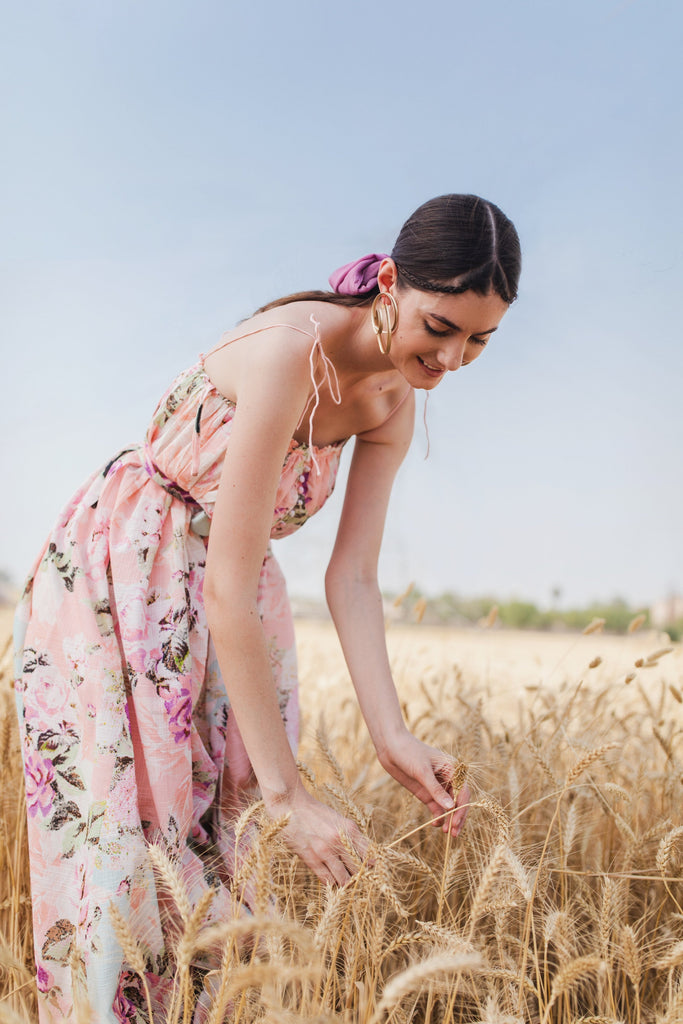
329 376
259 330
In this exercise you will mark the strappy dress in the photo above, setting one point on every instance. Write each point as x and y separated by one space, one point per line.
126 728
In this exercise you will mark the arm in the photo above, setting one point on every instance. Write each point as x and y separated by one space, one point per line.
355 603
271 393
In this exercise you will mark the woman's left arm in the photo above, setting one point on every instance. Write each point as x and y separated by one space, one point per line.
355 603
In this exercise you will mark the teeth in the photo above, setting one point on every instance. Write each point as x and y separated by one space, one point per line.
430 367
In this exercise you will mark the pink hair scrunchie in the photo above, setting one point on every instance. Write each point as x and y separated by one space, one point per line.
358 277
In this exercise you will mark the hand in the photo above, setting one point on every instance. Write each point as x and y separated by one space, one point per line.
427 772
314 830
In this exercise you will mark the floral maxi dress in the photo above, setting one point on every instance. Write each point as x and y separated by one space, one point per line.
126 729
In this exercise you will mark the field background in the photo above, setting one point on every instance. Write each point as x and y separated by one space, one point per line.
562 900
503 665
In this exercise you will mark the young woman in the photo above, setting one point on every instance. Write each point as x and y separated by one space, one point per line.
156 676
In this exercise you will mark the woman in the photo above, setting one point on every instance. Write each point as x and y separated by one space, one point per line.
156 670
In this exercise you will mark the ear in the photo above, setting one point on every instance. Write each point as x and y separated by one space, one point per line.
387 275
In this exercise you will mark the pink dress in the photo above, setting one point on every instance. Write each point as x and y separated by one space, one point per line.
125 722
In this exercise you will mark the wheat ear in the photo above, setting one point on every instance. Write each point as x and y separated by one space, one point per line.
439 966
131 951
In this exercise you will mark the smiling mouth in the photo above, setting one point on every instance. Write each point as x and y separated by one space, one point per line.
432 369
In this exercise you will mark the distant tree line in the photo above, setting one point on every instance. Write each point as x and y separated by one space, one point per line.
451 609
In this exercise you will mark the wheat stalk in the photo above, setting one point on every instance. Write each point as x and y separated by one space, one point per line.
132 951
568 976
439 966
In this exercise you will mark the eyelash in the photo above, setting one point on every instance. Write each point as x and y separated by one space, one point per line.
437 334
442 334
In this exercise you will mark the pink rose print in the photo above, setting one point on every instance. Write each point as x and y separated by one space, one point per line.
39 774
140 658
44 979
179 708
52 696
123 1008
76 652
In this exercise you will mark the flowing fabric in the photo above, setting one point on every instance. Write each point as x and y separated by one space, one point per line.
127 733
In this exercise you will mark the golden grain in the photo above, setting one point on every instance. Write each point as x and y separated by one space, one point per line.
590 758
661 652
580 969
558 903
419 608
594 626
636 623
398 601
442 965
491 618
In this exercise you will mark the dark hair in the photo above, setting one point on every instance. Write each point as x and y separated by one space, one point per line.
451 244
459 243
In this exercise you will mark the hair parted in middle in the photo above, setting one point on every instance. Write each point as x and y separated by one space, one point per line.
451 244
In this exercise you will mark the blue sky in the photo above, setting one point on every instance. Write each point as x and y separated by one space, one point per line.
169 167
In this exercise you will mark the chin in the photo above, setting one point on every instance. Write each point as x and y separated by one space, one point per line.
423 384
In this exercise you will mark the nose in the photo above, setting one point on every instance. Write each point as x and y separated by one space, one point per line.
452 354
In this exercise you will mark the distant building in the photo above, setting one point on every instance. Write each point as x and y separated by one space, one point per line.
666 611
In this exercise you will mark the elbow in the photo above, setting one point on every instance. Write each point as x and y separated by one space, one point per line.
343 579
337 577
225 605
333 583
215 602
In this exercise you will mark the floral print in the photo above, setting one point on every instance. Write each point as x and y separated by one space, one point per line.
40 774
126 728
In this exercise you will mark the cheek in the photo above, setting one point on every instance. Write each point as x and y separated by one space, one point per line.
402 348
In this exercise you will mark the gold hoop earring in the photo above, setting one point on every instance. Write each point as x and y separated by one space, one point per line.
381 324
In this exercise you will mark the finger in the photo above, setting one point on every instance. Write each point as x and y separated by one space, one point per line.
352 838
354 848
443 769
456 820
437 793
426 787
325 870
462 804
337 869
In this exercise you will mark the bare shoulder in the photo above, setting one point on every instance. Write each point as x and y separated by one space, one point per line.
275 345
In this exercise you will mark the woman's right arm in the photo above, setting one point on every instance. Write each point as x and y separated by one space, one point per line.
272 389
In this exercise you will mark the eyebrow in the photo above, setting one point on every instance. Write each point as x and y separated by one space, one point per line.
454 327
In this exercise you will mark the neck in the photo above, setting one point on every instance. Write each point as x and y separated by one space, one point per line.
357 353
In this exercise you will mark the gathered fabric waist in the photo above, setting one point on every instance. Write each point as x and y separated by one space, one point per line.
200 522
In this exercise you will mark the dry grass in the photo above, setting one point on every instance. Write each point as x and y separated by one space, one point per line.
562 901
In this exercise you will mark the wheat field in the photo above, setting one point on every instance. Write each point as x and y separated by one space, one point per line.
561 900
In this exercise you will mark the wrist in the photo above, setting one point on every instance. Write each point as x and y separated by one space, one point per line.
389 737
280 800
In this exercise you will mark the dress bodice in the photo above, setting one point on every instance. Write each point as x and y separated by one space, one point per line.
188 437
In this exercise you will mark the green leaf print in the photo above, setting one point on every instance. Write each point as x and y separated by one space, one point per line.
57 945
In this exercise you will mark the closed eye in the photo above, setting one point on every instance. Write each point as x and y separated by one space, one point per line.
437 334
